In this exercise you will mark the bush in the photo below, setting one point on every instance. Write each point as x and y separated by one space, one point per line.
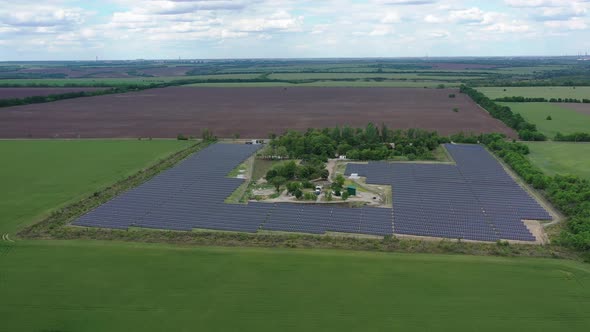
181 137
345 195
309 196
452 95
548 117
455 110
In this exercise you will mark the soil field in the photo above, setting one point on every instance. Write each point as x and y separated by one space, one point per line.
250 112
10 93
580 108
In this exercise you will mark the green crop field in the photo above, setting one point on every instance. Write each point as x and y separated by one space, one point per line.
561 157
579 92
40 175
101 286
564 120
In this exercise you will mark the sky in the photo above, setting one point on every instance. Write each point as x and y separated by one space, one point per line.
208 29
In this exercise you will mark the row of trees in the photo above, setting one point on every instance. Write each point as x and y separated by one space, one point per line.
55 97
526 131
519 99
575 137
369 143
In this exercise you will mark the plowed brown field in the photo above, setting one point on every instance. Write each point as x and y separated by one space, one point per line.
250 112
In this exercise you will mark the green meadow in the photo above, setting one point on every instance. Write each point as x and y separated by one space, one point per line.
563 119
548 92
39 176
102 286
561 157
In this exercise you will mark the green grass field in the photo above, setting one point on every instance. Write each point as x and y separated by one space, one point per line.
98 286
547 92
564 120
40 175
561 157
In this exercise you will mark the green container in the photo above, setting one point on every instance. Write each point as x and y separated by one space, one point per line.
351 190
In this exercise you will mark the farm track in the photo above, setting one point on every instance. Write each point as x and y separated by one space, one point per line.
250 112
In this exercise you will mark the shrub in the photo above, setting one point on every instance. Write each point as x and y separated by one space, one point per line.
345 195
309 196
455 110
181 137
548 117
452 95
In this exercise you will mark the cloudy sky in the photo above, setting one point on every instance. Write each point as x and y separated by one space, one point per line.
130 29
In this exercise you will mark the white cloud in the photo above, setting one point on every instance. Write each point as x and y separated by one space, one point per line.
390 17
572 24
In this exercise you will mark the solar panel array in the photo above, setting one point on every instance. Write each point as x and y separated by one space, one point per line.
187 196
474 200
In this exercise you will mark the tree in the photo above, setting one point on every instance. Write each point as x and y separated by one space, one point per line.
292 187
207 135
340 180
384 133
282 152
271 174
277 182
328 195
371 133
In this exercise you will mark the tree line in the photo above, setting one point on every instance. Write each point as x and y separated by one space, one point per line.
526 130
520 99
369 143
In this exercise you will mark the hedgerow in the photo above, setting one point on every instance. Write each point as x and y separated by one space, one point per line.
526 130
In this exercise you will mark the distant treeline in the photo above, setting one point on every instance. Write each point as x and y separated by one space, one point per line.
519 99
61 96
526 130
575 137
